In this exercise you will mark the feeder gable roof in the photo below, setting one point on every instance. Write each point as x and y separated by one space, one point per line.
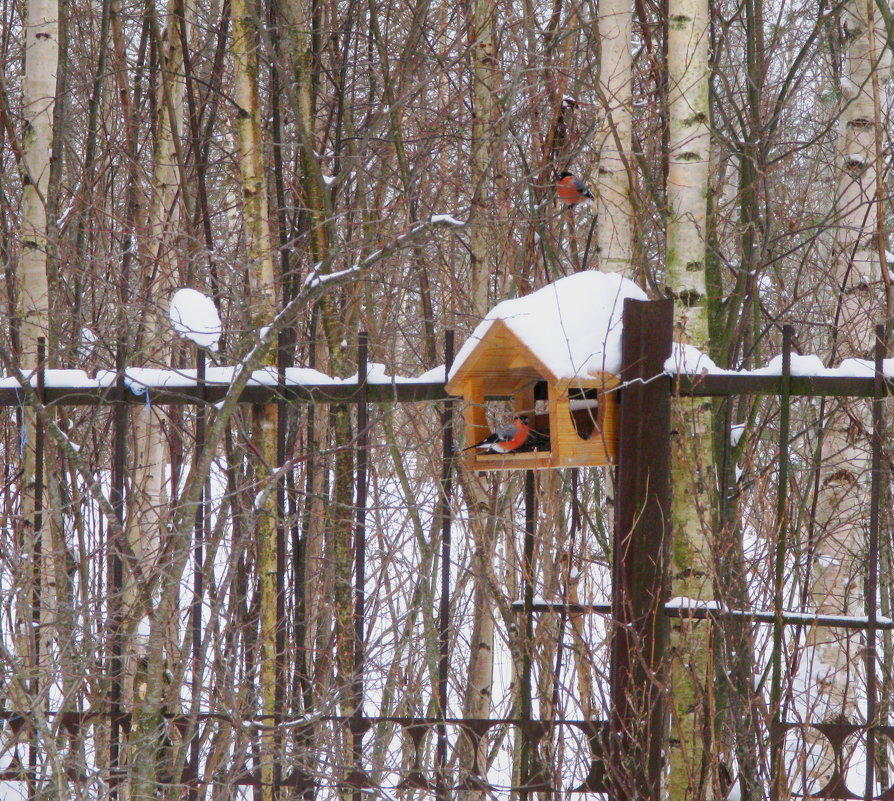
568 329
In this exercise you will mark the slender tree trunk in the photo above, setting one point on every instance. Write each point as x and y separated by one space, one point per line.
39 93
259 250
485 78
148 499
478 698
57 163
335 583
736 722
32 311
693 478
614 242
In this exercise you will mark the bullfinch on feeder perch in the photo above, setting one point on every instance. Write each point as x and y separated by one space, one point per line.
516 437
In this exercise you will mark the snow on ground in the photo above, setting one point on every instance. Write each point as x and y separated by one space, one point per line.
86 343
194 316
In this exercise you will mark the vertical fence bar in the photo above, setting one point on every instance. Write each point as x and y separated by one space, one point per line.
37 563
360 541
776 735
528 601
446 516
642 539
300 533
563 614
871 593
116 574
198 588
280 637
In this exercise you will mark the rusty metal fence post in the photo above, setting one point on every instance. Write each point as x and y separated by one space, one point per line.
642 535
446 516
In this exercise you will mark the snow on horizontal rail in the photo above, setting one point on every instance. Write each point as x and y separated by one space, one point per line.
76 387
139 379
687 360
749 384
703 610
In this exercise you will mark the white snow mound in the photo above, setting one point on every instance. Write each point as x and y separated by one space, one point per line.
195 318
688 360
572 325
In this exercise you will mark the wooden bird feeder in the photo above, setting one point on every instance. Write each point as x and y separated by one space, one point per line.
582 411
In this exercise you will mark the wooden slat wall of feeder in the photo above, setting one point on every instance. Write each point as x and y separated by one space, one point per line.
600 447
501 366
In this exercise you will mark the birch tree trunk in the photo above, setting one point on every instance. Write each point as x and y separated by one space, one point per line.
148 499
32 295
259 251
614 209
693 470
485 78
842 510
148 496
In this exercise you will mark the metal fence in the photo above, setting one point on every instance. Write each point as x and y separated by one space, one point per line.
638 612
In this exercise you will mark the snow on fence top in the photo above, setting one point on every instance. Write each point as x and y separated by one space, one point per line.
139 379
687 360
572 326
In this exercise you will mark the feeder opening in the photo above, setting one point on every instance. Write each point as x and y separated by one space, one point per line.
583 407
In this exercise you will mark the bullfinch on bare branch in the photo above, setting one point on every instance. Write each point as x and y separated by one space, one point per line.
572 190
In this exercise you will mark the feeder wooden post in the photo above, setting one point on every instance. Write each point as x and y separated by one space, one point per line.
475 414
523 401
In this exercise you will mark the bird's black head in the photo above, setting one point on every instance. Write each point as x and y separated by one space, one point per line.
522 418
566 174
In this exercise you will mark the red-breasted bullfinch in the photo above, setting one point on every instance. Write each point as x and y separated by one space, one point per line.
572 190
517 437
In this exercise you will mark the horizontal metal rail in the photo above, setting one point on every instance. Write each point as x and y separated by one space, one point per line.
712 613
464 732
414 391
734 384
215 393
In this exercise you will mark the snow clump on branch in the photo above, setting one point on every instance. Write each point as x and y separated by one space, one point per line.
194 316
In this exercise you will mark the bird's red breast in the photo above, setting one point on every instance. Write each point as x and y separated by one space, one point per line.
520 438
570 190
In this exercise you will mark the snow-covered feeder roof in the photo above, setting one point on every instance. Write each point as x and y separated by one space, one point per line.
570 329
